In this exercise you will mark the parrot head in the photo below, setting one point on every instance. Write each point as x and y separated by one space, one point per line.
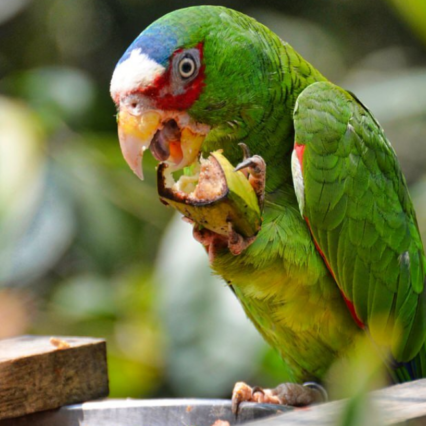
189 83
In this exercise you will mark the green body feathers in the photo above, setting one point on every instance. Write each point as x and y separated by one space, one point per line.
339 253
362 241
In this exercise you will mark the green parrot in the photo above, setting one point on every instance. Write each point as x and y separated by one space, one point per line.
339 252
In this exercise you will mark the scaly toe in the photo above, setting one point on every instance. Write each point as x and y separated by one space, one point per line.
298 395
257 172
257 389
242 392
236 242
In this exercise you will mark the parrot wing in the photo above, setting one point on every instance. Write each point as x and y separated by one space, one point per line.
354 199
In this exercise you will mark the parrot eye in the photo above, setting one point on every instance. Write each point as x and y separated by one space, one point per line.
187 67
187 64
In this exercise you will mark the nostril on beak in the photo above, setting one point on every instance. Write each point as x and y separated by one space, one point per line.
134 103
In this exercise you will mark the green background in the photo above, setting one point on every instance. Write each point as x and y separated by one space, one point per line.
87 249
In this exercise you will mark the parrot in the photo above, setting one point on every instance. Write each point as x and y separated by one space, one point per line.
338 254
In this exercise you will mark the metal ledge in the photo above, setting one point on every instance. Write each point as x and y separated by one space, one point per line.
148 412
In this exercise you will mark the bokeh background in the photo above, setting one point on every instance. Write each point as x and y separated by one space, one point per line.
87 249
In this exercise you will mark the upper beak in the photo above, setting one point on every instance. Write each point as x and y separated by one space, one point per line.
135 134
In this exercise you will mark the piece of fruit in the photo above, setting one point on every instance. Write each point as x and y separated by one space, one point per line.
212 194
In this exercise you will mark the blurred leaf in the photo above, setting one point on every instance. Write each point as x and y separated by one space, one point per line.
42 242
94 26
84 296
9 8
211 343
94 161
414 13
36 225
359 410
352 377
21 159
57 93
129 378
360 371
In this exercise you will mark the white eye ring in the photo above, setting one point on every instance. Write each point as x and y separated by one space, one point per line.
187 67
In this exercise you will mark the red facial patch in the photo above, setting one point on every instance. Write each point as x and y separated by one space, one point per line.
349 304
160 90
300 149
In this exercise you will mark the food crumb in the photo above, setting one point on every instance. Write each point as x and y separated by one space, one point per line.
59 343
212 183
221 423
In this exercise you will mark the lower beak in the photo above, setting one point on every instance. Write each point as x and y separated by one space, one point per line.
135 134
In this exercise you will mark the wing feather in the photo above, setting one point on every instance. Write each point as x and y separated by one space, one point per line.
356 202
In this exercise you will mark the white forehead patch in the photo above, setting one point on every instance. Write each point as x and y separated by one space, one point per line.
138 70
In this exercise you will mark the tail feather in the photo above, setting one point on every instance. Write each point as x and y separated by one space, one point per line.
412 370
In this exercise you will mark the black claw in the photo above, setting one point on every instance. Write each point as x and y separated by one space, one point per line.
246 151
319 388
248 162
235 407
257 389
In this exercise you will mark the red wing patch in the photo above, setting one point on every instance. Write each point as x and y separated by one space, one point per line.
351 308
349 304
300 150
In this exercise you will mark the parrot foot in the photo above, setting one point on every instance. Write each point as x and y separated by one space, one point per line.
214 242
257 172
236 242
210 240
291 394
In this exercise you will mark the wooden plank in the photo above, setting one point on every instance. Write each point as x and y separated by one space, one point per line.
40 373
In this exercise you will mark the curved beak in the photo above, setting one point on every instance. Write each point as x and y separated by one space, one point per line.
169 137
135 134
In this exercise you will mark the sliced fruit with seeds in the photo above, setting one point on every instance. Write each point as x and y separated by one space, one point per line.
213 195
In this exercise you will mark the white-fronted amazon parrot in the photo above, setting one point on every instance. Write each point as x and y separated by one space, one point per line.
338 252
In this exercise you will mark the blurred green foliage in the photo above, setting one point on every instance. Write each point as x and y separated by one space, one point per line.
80 235
414 12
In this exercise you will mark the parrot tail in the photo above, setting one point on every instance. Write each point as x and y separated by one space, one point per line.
412 370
